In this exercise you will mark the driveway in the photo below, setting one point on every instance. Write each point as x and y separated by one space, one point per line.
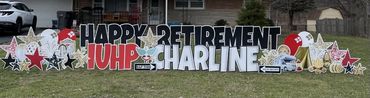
6 36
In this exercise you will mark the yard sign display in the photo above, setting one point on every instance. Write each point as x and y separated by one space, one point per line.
182 47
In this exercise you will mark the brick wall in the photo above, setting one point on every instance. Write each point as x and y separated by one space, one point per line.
214 10
82 3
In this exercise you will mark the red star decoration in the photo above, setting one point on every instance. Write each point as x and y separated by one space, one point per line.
35 60
349 60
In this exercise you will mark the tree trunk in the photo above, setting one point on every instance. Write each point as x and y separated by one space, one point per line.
291 17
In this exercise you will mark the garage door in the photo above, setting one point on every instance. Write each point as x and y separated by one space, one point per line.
46 10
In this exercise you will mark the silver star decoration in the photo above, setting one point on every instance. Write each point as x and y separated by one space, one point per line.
24 65
150 40
321 44
31 37
359 70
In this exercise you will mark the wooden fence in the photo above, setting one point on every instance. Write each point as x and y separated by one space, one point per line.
330 26
348 26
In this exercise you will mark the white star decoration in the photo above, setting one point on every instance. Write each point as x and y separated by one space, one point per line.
321 44
359 70
24 65
31 37
150 40
11 48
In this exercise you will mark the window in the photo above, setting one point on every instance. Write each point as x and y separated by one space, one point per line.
154 3
19 7
98 3
4 6
181 3
25 7
189 4
133 3
116 5
196 3
113 5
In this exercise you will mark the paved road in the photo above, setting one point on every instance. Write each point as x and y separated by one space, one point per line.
6 36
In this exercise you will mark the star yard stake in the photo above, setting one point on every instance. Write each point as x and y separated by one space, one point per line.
54 62
24 65
35 60
349 59
336 54
15 65
8 59
69 61
31 37
11 48
150 40
321 44
359 69
348 69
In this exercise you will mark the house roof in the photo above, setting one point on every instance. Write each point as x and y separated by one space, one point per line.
315 14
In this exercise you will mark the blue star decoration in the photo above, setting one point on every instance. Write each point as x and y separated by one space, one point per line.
348 69
69 61
54 62
7 61
15 65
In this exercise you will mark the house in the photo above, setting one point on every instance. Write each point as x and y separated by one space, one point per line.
46 10
153 12
330 16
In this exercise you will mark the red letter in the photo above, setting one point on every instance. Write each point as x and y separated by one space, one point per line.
120 59
102 64
131 55
91 56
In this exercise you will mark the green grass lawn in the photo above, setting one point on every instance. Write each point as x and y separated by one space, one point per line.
83 83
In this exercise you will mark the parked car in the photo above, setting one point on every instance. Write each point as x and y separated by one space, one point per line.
16 15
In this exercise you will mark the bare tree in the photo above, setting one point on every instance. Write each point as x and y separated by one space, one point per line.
291 7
